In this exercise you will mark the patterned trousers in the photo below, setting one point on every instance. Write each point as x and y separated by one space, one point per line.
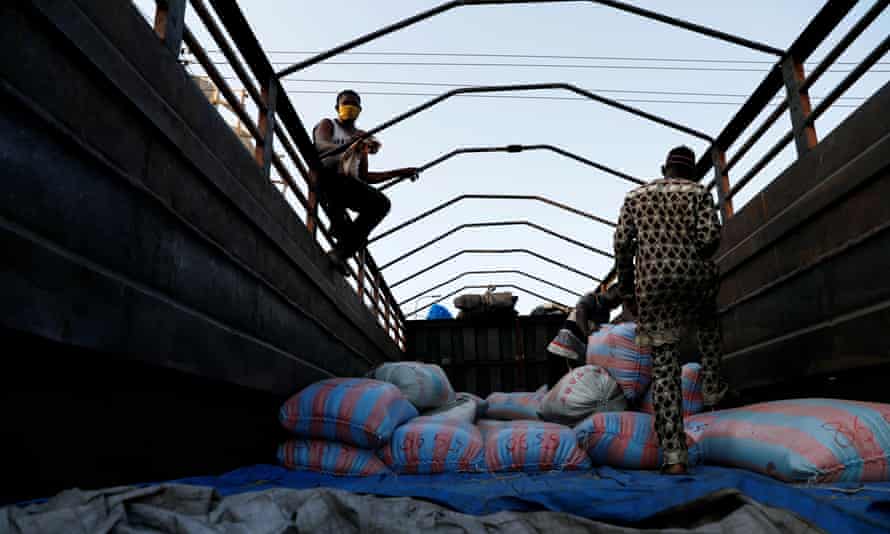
667 395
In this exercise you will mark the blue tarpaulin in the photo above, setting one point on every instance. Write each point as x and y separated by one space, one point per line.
603 494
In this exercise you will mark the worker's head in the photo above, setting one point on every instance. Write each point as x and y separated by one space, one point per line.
349 105
680 163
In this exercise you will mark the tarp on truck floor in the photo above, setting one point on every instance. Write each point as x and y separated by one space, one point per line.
182 509
711 500
603 494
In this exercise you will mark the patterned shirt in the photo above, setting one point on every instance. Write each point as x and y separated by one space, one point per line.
672 229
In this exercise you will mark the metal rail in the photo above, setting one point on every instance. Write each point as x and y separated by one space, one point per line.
491 224
460 198
464 288
442 8
521 87
492 271
494 251
514 149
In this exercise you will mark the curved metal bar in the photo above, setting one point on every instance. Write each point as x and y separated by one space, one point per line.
491 224
494 251
493 271
514 149
410 21
457 199
520 87
455 292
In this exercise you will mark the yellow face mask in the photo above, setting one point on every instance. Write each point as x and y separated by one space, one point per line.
348 112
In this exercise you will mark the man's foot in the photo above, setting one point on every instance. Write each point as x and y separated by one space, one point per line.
675 469
338 262
567 345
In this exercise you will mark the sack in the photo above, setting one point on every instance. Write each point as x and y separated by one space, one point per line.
358 411
464 408
513 405
437 312
624 440
693 398
468 302
531 446
329 457
801 440
581 392
424 384
430 445
614 347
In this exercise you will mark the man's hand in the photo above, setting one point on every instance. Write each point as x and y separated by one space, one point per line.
412 173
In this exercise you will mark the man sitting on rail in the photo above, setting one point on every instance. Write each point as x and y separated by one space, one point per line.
670 227
346 181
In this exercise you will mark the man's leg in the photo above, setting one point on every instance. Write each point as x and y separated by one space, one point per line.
660 327
571 340
668 403
710 344
371 205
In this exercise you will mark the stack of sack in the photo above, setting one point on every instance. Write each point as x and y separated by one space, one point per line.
372 425
801 440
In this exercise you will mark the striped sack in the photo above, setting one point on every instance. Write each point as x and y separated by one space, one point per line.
693 401
614 347
531 446
329 457
425 385
624 440
581 392
358 411
512 406
465 408
429 445
802 440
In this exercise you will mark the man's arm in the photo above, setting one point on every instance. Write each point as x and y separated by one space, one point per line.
323 136
625 250
707 226
382 176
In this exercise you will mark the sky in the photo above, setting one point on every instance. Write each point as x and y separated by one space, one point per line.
621 56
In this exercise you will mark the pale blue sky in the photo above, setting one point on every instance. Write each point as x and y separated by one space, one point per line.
587 128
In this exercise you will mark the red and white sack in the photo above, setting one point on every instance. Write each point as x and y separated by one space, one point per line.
582 391
329 457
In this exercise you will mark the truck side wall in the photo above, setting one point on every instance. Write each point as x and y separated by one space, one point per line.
805 296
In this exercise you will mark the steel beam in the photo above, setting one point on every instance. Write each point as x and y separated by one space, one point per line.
521 87
170 23
491 271
802 48
460 227
494 251
442 8
460 198
512 149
